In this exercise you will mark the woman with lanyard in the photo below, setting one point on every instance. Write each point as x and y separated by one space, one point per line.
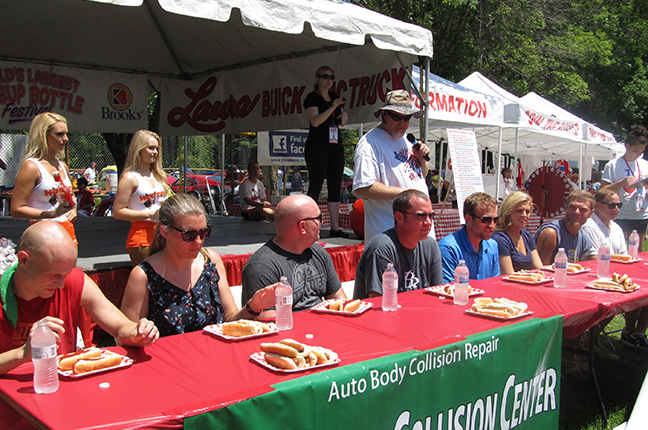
142 189
324 153
37 193
622 175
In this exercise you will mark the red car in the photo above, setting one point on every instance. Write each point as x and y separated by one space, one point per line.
197 185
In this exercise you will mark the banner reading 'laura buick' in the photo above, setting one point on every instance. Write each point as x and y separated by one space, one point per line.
271 96
89 100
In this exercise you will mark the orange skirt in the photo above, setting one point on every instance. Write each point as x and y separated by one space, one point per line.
141 234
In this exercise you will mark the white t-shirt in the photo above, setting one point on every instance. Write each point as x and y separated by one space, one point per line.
598 232
251 190
381 158
90 174
618 169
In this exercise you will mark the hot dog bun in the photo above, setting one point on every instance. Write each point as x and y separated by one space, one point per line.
280 348
91 364
336 305
246 328
241 328
352 305
67 361
280 361
501 307
619 257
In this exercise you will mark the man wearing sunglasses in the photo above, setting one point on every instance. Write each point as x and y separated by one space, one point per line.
473 242
293 253
407 246
386 163
567 233
601 226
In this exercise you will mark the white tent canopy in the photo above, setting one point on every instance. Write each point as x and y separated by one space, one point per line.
192 40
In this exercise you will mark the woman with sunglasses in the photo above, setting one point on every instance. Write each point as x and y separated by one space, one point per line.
324 153
36 189
181 286
142 188
517 247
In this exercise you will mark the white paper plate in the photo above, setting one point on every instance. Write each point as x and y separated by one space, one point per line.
217 330
520 281
633 260
594 287
126 361
259 358
479 314
551 269
324 307
439 290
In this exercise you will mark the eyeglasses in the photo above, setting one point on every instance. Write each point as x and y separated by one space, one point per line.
190 235
421 216
327 76
612 205
398 118
487 219
313 218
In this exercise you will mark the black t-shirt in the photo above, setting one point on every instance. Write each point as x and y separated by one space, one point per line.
320 135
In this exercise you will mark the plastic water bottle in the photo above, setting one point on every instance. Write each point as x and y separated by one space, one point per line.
461 281
633 244
603 260
283 305
560 269
43 351
390 289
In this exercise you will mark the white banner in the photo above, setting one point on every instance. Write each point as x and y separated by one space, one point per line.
466 167
281 148
90 100
271 96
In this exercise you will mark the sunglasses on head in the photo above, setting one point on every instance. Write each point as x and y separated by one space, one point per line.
487 219
612 205
421 216
327 76
190 235
397 117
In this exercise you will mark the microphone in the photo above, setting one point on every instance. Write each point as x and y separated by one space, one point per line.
417 145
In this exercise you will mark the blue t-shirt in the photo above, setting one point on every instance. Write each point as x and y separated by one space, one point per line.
482 264
507 248
576 247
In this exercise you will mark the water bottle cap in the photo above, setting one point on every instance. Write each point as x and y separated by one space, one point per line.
561 249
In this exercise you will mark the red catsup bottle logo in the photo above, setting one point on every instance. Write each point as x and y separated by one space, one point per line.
120 96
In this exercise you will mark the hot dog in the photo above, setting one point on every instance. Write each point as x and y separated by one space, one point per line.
344 305
291 355
527 276
88 365
246 328
67 361
280 361
280 348
619 257
501 307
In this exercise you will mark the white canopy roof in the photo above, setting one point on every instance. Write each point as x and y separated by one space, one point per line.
192 38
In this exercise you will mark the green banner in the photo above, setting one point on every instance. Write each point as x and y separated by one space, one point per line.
501 379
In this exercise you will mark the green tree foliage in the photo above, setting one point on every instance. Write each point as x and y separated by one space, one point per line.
588 56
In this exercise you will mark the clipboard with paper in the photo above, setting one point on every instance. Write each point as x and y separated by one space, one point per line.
638 184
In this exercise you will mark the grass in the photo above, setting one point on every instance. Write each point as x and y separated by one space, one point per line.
620 381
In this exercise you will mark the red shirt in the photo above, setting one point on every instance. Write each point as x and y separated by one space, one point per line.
64 304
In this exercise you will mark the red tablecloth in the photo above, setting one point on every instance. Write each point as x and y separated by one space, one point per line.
189 374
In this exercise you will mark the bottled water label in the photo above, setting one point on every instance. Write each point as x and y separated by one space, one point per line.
463 280
605 256
561 265
44 353
284 300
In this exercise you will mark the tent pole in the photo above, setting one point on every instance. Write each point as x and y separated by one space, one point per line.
426 91
499 164
409 75
184 173
222 169
515 159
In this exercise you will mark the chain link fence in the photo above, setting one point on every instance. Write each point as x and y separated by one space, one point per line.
204 154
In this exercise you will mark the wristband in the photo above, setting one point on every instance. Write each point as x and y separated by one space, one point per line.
252 312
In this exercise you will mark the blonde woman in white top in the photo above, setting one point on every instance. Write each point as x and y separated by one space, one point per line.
35 190
142 189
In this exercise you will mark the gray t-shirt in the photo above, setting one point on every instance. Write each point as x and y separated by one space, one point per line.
311 275
577 248
417 268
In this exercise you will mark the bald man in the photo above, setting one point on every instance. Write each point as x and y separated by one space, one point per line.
292 253
46 284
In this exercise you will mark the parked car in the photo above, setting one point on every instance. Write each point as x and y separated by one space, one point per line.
200 186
